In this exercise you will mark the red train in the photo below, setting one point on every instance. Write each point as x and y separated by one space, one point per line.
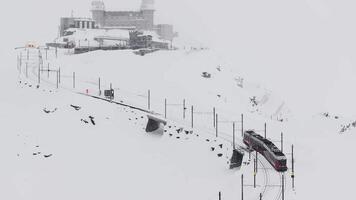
265 147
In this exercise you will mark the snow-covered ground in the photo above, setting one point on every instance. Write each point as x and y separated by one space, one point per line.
296 58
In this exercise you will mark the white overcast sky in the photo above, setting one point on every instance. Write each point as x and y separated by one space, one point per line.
309 44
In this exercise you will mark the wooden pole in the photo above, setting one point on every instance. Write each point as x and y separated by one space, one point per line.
48 70
26 69
59 75
219 195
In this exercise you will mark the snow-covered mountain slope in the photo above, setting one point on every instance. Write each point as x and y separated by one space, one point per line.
51 127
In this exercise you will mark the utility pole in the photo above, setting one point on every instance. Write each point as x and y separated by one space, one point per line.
256 161
216 125
47 70
184 108
283 186
219 195
265 130
242 125
26 69
59 75
165 108
192 117
149 99
282 142
292 167
254 172
39 74
99 84
242 187
73 79
233 135
214 114
57 79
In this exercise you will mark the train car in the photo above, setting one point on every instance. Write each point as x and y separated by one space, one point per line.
265 147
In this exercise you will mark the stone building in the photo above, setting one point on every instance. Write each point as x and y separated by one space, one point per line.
142 19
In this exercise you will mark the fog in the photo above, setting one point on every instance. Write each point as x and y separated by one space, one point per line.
304 50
